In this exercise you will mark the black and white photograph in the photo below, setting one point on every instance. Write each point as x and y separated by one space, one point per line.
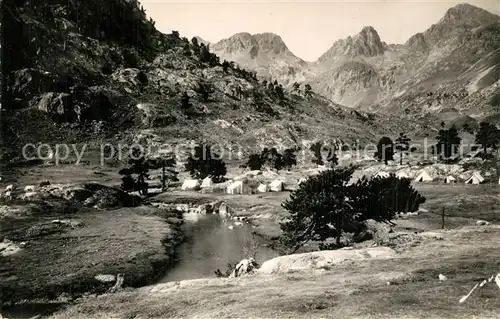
249 159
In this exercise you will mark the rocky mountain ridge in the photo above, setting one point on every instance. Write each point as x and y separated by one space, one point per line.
455 64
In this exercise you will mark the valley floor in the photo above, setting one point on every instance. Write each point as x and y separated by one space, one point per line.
403 287
134 241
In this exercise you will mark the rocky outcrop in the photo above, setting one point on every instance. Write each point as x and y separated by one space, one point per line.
322 260
90 195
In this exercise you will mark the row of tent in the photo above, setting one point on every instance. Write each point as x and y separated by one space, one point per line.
423 176
233 187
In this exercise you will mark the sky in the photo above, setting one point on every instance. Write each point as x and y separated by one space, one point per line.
307 27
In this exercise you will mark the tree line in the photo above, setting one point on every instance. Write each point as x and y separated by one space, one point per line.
447 143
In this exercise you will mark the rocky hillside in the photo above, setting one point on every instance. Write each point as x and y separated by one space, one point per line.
452 66
265 53
113 76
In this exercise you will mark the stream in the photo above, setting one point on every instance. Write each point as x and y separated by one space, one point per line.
211 244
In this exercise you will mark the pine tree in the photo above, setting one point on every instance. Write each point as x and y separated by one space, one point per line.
385 150
320 209
168 172
307 91
448 142
195 43
488 136
289 158
139 167
185 103
255 162
204 89
332 157
402 146
318 157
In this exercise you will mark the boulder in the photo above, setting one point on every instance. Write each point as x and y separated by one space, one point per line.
204 209
225 211
131 76
244 267
482 223
322 260
30 82
238 187
70 192
105 278
58 105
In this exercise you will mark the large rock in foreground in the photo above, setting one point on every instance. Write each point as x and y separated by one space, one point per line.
322 260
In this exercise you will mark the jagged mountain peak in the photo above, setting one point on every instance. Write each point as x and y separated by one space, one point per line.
266 42
270 42
368 31
366 43
465 12
458 20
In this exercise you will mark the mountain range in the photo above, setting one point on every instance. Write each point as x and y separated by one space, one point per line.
453 66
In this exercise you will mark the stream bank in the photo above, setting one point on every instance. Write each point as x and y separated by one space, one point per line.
61 262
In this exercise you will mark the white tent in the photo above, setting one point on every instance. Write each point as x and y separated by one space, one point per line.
402 175
450 179
190 185
207 182
423 176
263 188
382 175
475 179
238 187
276 186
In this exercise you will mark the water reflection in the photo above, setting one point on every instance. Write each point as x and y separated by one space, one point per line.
211 244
